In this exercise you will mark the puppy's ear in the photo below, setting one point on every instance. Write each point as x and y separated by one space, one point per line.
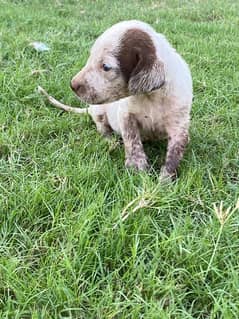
139 64
146 79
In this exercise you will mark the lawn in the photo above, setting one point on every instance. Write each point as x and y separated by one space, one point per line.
65 250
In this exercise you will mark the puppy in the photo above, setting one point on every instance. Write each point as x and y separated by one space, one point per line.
139 87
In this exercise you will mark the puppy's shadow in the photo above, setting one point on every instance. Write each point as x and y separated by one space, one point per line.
156 152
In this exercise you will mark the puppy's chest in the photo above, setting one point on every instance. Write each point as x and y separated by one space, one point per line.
151 121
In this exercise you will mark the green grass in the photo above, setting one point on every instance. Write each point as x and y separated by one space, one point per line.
63 188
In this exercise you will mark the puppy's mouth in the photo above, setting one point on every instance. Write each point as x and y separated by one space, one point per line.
86 95
95 99
91 99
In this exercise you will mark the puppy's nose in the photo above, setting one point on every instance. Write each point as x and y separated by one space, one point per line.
77 86
74 85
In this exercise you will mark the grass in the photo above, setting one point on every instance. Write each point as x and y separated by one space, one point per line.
65 251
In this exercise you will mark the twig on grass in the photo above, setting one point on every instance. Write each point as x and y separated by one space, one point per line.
60 105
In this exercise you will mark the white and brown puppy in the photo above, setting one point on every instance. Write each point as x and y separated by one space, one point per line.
141 88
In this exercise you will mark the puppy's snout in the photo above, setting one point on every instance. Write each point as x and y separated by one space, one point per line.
77 87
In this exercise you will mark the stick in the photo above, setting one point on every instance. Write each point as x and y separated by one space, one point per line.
60 105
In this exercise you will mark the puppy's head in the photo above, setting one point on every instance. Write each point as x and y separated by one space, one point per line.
122 62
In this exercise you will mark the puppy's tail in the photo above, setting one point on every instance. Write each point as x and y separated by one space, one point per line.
60 105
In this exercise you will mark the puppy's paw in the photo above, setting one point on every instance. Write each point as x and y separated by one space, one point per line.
139 163
165 177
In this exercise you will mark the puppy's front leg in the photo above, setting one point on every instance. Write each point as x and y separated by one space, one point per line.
176 147
134 152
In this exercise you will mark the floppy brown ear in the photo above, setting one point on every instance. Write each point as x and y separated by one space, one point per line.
139 64
143 80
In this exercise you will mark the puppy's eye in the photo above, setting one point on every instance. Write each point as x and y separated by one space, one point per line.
106 67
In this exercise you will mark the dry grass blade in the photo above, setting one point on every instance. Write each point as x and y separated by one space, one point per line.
142 201
125 213
39 71
224 215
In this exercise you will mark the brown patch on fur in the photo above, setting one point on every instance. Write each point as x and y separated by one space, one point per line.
100 118
102 125
135 156
138 62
